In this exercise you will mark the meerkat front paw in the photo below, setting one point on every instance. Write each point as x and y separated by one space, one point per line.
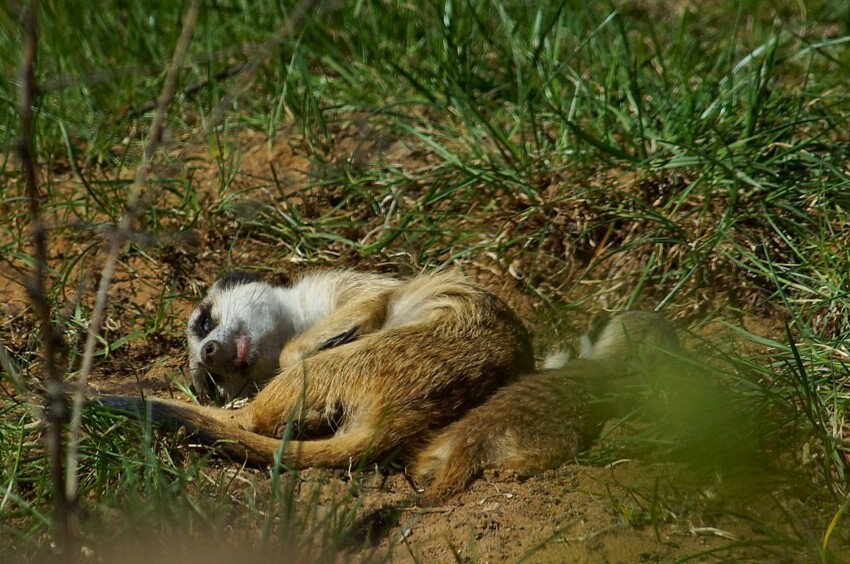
341 339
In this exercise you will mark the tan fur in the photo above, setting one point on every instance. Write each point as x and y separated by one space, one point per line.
543 419
426 351
297 320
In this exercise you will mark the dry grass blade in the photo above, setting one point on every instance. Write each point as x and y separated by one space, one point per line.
120 236
398 137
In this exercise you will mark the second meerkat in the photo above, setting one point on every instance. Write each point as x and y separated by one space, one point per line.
545 419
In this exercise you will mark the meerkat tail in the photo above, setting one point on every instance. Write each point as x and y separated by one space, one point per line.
202 423
218 428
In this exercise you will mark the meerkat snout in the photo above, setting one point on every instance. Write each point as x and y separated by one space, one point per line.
211 352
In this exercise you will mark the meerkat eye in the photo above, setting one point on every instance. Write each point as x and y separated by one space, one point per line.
204 322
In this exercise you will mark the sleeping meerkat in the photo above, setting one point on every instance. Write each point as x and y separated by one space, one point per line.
544 419
367 363
245 329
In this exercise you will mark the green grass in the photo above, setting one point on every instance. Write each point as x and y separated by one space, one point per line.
605 154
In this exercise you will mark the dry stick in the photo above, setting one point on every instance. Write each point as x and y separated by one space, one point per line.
56 408
120 236
134 201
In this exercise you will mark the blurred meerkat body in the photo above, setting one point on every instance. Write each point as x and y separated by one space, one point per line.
544 419
368 363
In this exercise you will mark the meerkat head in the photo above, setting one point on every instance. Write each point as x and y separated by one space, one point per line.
235 335
633 337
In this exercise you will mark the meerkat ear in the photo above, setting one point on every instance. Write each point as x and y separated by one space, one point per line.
235 278
600 324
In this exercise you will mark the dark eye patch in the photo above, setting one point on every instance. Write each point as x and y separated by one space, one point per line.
203 323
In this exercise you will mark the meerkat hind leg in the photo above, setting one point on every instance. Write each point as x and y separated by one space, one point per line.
528 426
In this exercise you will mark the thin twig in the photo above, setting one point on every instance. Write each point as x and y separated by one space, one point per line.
119 238
56 410
293 22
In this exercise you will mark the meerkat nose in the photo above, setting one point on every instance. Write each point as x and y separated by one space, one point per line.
243 349
210 352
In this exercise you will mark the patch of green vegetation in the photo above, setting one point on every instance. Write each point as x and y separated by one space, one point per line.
603 154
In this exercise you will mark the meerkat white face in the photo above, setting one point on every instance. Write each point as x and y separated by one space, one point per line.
235 336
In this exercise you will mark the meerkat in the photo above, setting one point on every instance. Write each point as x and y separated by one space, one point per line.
362 364
544 419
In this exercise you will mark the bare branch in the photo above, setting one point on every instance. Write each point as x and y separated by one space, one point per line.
56 410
